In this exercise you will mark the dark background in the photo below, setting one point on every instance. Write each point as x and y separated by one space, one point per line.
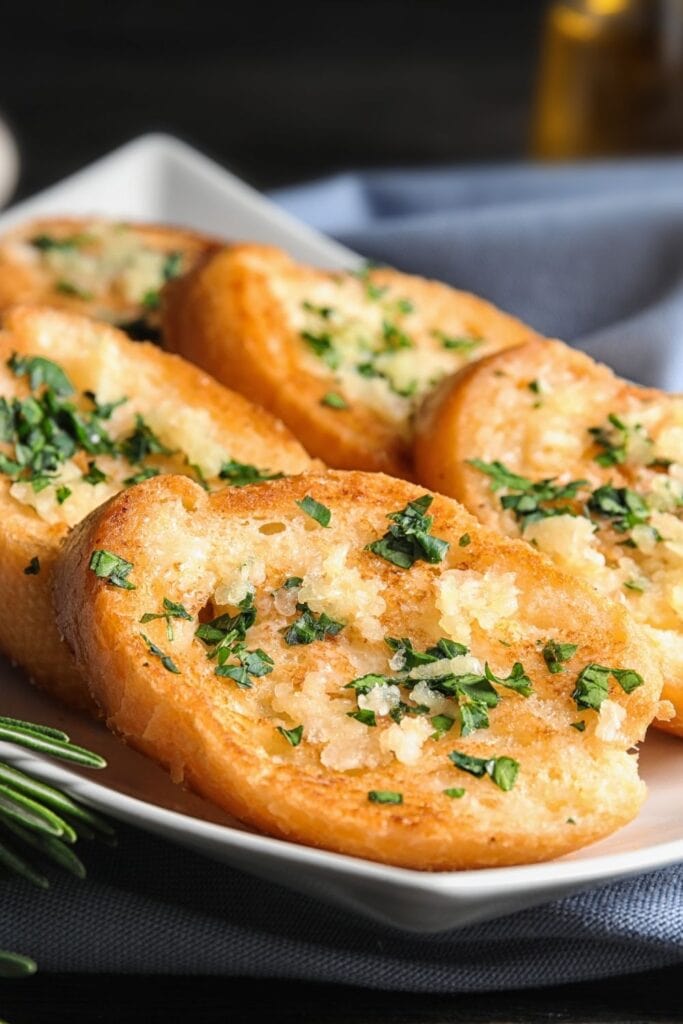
279 92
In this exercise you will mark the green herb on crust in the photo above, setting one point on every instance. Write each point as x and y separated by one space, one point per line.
112 568
408 539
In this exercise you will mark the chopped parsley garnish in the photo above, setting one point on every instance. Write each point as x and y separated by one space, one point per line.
501 770
225 637
146 473
580 726
62 493
368 682
394 338
165 659
408 539
293 736
142 443
534 386
322 311
171 610
334 400
103 410
71 289
518 680
592 684
555 655
384 796
293 582
529 501
465 540
307 628
48 243
323 347
33 567
615 442
321 513
442 724
239 474
108 566
623 507
364 715
457 344
173 264
152 299
94 474
41 371
455 792
637 585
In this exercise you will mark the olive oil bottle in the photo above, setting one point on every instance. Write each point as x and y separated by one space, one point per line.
610 79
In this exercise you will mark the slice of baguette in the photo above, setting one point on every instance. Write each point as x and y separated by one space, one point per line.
227 736
293 339
109 270
200 421
542 410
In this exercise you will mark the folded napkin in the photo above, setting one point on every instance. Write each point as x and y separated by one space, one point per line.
594 255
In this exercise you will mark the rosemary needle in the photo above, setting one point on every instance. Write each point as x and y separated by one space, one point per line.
42 743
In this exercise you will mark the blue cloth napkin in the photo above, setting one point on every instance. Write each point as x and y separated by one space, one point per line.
594 255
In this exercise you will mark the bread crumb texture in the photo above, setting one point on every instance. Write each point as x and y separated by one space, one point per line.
345 669
618 446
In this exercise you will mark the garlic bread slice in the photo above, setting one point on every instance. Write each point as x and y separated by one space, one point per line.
109 270
544 443
346 661
342 358
85 412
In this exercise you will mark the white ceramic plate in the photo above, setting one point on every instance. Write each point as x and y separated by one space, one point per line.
159 178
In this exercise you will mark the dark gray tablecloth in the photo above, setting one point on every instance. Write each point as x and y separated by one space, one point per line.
589 254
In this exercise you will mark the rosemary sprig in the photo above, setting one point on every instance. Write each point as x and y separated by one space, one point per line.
40 818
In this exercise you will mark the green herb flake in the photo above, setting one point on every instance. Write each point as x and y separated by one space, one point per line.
240 474
325 312
321 513
625 508
455 793
72 290
293 736
62 493
529 501
33 567
628 679
384 796
94 475
323 347
142 442
334 400
457 344
307 628
534 386
171 610
518 680
637 585
465 540
556 655
592 687
408 539
502 771
442 724
41 372
165 659
293 582
108 566
364 715
146 473
580 726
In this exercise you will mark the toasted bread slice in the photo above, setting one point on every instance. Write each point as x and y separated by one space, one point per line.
292 711
108 270
73 454
547 411
342 358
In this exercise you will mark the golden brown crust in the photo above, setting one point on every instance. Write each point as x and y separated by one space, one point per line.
489 412
25 277
238 316
223 741
92 354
